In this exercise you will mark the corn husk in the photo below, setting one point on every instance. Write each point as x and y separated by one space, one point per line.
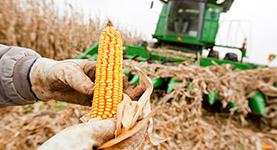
133 117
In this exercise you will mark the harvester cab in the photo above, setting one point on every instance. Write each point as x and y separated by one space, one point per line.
189 25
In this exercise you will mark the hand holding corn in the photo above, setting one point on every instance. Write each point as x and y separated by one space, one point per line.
68 80
108 94
83 136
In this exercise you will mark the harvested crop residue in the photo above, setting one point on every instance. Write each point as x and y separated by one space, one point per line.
185 119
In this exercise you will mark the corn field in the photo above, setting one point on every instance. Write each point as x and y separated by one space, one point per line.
41 26
185 121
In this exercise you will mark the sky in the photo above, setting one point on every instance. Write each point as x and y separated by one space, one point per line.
254 19
262 17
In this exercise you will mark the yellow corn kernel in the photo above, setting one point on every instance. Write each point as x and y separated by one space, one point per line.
109 74
104 116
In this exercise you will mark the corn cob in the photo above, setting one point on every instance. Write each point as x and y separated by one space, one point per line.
108 90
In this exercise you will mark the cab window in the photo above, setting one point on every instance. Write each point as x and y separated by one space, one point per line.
185 18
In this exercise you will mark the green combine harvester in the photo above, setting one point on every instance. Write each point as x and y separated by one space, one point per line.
184 29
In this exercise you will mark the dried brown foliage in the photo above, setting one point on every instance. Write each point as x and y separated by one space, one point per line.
27 127
182 120
188 125
53 33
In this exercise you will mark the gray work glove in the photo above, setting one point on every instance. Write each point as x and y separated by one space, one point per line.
68 80
85 136
91 135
